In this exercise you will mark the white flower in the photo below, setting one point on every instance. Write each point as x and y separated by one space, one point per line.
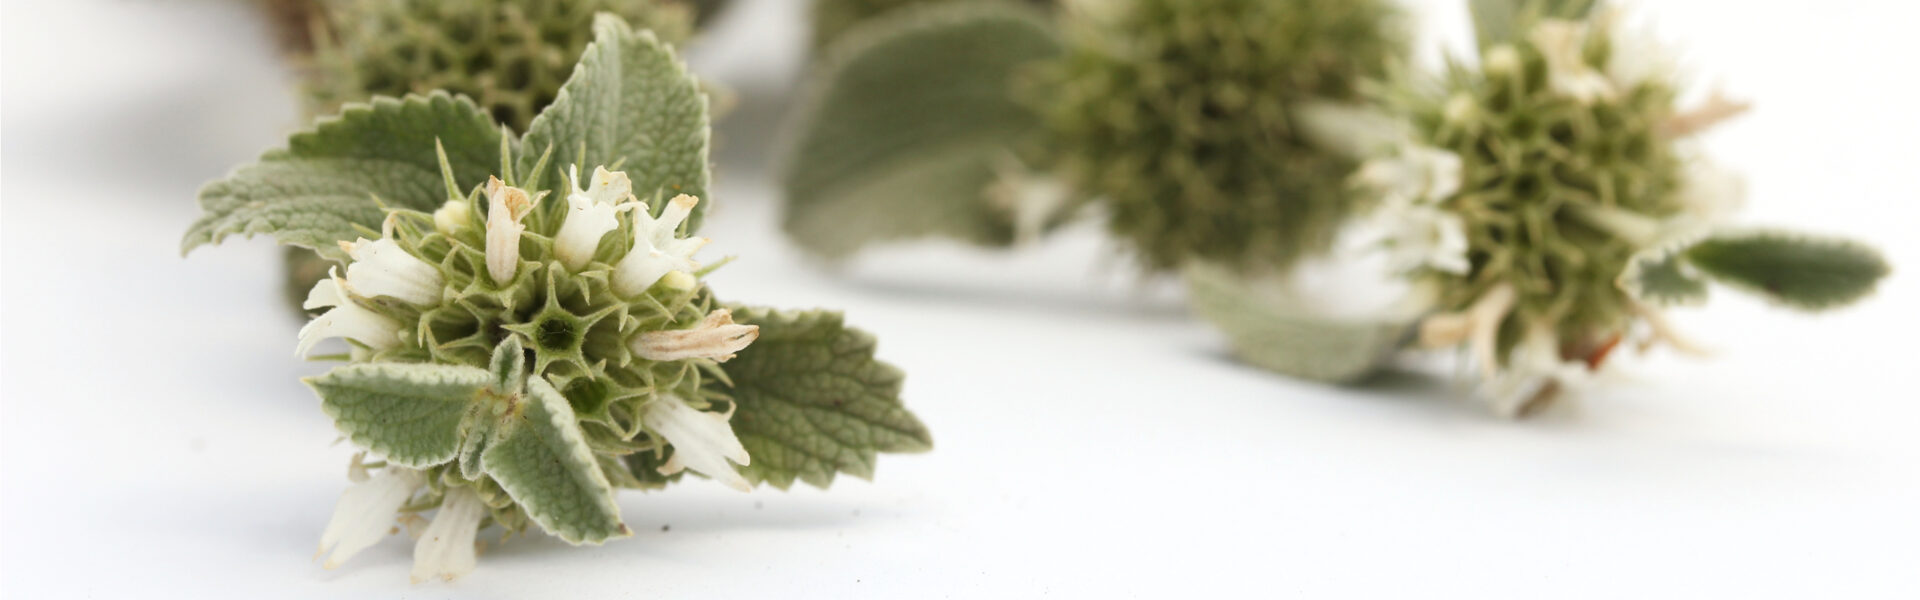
1637 56
656 248
1710 193
591 213
346 320
1355 131
1563 44
716 337
1417 174
366 512
445 549
382 268
452 217
702 441
506 207
1478 326
1417 237
1534 376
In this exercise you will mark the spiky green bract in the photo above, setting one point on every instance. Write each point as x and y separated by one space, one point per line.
1176 115
1537 164
510 56
833 18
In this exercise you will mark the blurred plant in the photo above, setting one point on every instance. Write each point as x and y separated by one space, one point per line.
833 18
991 123
521 347
1549 202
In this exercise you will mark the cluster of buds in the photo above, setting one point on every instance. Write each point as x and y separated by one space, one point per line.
601 299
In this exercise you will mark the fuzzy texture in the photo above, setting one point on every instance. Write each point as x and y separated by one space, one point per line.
1537 157
1176 115
510 56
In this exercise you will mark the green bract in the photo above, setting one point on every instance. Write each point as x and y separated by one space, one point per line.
1175 115
526 325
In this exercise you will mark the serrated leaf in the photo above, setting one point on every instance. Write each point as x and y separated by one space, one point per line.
1282 337
540 457
312 192
906 125
812 402
409 413
1502 21
1804 272
1661 277
631 101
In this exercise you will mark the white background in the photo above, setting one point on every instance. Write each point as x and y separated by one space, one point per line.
1091 438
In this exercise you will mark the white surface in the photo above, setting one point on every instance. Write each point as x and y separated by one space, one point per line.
1091 439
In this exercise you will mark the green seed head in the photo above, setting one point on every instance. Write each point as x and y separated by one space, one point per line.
510 56
1176 115
1545 148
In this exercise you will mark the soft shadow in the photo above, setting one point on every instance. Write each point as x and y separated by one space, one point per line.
1081 302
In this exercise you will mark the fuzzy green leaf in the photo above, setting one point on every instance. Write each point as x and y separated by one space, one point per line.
1288 339
1804 272
1661 277
409 413
907 124
312 192
629 101
812 401
541 459
1502 21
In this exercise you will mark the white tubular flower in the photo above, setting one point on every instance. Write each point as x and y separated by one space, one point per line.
506 207
1717 109
452 217
1637 56
1563 44
1478 326
1534 376
1710 193
445 549
717 338
366 513
1418 174
702 441
345 320
656 249
1418 237
591 213
382 268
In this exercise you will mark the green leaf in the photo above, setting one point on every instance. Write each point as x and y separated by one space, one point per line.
410 413
811 401
907 124
312 192
1286 338
1799 271
1662 277
1503 21
630 101
540 457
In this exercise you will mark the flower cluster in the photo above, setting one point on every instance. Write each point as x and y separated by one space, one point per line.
1525 188
601 292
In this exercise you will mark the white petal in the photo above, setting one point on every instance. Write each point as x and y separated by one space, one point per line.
1712 193
610 187
579 236
1563 45
717 338
351 321
1637 56
445 549
382 268
656 251
324 293
452 217
701 440
506 206
366 513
